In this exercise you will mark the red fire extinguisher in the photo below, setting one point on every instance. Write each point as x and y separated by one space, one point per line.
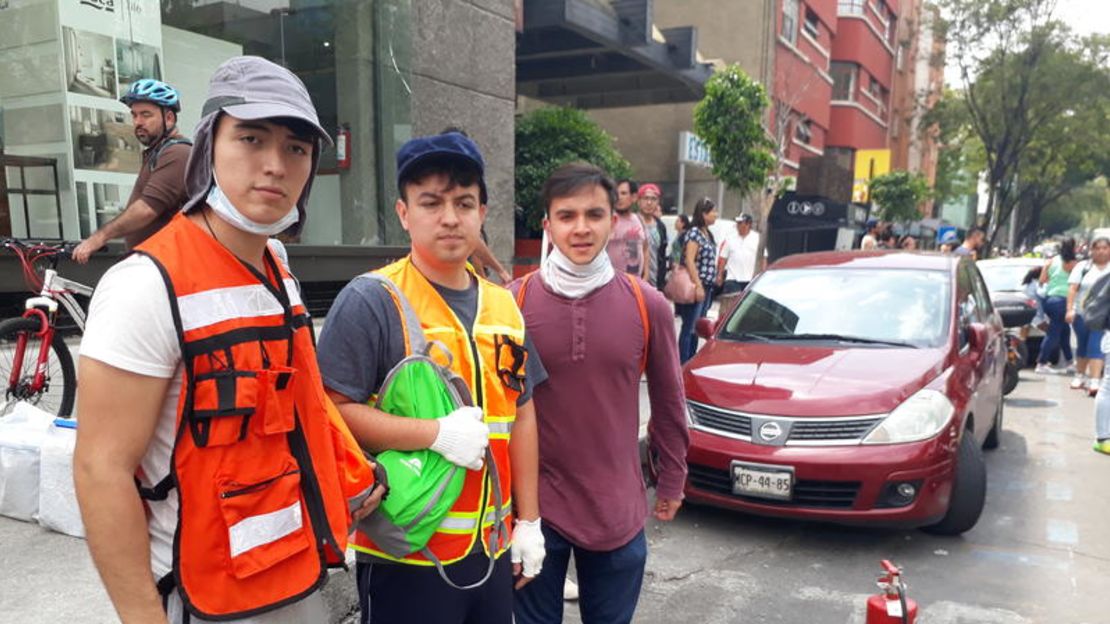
891 606
343 147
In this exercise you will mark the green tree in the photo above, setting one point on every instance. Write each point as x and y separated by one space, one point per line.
730 121
548 138
960 154
1021 70
898 195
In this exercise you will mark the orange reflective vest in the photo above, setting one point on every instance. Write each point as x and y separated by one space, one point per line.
263 464
483 356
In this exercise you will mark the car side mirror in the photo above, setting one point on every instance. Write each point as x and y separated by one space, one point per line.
705 328
977 338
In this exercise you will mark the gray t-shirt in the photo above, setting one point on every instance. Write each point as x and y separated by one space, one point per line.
362 339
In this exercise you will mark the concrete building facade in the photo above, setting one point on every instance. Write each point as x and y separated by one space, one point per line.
648 136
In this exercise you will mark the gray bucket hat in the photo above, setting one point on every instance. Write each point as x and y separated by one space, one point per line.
249 87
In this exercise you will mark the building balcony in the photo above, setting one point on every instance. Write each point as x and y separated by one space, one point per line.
858 41
853 126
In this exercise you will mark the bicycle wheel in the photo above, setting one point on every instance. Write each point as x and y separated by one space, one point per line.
56 395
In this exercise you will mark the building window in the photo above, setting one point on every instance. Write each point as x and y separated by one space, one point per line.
182 42
850 7
886 18
844 80
803 133
812 24
874 88
790 20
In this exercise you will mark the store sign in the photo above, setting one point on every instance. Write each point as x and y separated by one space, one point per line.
801 208
102 5
693 151
870 164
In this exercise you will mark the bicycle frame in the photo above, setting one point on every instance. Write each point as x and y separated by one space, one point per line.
55 289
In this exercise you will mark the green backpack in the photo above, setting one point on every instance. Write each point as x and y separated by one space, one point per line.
423 485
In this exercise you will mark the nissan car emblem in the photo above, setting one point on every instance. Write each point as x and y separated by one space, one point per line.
769 431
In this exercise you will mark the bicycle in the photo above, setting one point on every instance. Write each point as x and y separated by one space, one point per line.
34 359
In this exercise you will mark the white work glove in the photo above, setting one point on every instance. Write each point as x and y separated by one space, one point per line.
528 546
462 438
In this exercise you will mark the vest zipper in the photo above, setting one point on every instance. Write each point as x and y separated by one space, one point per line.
311 489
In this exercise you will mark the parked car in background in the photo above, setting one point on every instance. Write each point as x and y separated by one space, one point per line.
1003 277
850 387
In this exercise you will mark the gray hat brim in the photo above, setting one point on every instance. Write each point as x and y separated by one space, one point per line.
270 110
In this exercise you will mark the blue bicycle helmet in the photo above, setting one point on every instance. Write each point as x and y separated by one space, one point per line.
153 91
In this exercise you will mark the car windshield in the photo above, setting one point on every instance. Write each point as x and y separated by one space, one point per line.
895 307
1003 277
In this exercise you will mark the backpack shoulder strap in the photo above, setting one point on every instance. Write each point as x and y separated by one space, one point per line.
523 289
642 308
164 145
415 341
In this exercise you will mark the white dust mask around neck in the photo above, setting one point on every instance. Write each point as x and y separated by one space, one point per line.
227 211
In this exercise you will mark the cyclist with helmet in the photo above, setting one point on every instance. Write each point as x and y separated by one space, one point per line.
160 188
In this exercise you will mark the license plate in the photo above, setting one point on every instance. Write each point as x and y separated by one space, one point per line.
762 481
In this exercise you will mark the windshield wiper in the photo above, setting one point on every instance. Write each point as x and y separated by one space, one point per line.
842 338
747 336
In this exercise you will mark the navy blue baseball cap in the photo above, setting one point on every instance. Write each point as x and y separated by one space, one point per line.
447 145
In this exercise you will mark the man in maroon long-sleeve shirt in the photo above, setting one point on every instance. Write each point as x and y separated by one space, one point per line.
586 324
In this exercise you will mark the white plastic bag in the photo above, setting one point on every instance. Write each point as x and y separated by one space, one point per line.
58 510
22 433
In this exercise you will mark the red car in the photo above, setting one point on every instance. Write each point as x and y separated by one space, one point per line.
853 387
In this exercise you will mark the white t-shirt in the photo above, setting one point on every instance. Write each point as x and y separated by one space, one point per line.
130 326
740 254
1085 282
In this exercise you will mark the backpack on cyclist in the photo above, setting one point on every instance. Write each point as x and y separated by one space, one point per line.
1096 313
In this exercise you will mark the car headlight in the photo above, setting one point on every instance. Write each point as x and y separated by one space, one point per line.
920 417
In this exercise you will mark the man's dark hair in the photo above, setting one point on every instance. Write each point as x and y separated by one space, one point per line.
572 178
633 187
975 231
299 127
458 172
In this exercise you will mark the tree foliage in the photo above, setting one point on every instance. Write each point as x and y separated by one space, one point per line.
1025 76
898 195
547 138
960 154
730 121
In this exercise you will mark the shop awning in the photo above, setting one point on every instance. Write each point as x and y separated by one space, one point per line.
604 54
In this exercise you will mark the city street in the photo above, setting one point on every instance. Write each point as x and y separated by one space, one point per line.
1040 553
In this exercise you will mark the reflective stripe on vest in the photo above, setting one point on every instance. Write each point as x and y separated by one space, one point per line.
497 315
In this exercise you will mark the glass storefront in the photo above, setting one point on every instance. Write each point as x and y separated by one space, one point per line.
71 157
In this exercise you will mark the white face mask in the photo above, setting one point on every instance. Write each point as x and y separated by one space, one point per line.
227 211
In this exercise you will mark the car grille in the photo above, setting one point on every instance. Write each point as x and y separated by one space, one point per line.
721 420
802 430
822 494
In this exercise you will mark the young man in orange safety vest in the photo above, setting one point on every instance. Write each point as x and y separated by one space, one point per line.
216 480
442 205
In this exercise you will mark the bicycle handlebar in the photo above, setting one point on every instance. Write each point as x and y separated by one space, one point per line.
59 247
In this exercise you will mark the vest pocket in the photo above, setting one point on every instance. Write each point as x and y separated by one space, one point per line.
265 520
217 399
275 399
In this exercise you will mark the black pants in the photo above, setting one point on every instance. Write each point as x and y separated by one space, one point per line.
394 593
